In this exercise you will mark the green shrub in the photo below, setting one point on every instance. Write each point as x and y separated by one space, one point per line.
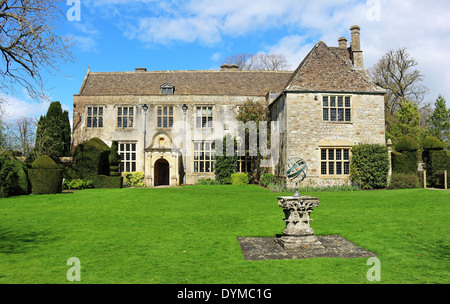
45 176
370 166
240 178
404 181
77 184
433 143
114 160
266 179
107 182
435 159
13 176
207 181
44 162
135 179
92 159
407 143
225 165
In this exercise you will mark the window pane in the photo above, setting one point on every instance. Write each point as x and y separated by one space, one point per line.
325 101
333 114
331 154
130 122
346 168
348 115
89 122
100 111
170 110
332 101
331 168
170 122
325 114
347 102
125 111
124 122
202 167
95 111
94 122
346 154
324 154
164 110
340 101
338 154
340 114
100 122
210 111
159 122
323 168
89 111
338 168
195 166
119 111
119 122
130 111
159 111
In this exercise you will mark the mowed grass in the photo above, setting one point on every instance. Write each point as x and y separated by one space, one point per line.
188 235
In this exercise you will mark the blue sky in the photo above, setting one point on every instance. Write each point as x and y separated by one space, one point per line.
120 35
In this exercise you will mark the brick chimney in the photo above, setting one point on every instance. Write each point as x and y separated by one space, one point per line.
355 47
140 69
342 43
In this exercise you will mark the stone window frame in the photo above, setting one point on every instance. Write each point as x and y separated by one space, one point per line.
335 161
207 115
201 162
331 102
94 116
160 116
127 118
244 162
127 151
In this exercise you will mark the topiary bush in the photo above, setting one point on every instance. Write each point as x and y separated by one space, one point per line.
225 165
435 159
92 159
406 158
107 182
370 166
13 176
114 160
45 176
240 178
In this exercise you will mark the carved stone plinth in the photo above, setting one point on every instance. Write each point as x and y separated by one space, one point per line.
298 233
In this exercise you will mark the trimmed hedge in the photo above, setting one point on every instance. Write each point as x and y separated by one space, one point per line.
45 177
370 166
108 182
435 159
404 181
92 159
13 177
240 178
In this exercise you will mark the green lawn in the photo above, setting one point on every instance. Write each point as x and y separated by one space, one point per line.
188 235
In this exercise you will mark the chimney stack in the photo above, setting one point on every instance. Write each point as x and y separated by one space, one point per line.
355 46
229 67
342 43
140 69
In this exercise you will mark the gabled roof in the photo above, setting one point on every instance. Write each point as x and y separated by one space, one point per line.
212 82
327 69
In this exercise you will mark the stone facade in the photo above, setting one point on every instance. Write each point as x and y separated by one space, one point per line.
143 110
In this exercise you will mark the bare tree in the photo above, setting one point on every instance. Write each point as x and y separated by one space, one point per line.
29 44
395 72
260 61
25 134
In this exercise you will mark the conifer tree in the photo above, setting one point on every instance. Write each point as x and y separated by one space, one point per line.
439 121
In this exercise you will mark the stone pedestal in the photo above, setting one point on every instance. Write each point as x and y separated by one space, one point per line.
298 233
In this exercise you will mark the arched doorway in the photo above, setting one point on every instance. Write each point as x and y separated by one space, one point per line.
162 172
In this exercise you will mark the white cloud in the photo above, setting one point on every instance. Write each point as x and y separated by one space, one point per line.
14 108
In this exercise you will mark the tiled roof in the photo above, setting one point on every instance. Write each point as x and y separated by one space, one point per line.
330 69
213 82
323 69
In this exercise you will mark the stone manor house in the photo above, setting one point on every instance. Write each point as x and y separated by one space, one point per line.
166 121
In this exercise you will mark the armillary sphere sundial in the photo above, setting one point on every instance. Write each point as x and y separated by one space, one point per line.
297 171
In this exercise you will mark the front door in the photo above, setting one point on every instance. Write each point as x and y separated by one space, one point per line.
162 172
